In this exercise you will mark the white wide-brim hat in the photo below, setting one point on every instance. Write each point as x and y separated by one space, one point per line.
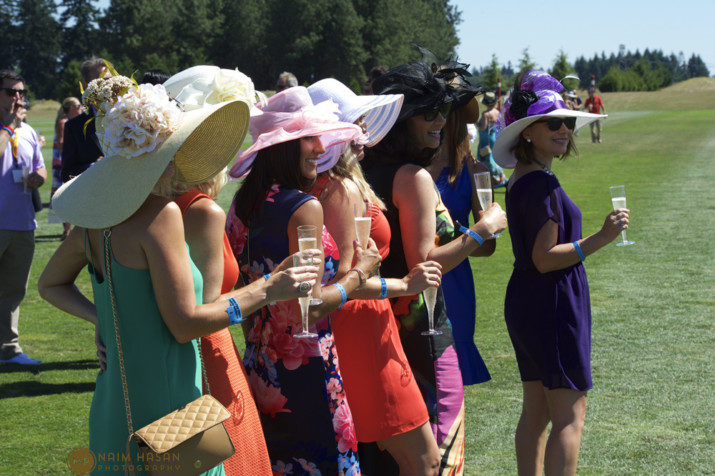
380 111
112 189
507 138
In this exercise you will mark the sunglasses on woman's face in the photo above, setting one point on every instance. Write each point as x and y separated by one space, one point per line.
554 123
443 110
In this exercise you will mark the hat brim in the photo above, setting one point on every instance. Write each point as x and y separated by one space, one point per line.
331 134
112 189
508 138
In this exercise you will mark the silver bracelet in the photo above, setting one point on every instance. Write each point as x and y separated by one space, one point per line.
361 275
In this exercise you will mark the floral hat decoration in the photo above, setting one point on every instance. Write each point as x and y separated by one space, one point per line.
538 95
141 130
290 115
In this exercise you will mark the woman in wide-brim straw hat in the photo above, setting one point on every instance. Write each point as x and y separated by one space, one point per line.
204 227
547 306
423 230
384 398
296 381
133 242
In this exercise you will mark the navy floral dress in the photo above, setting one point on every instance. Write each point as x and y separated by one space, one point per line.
296 382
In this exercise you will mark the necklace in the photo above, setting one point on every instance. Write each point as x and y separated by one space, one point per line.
544 168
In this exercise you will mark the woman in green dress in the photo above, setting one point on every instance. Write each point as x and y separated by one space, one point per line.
120 220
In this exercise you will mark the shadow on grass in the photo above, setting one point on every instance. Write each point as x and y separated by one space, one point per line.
42 238
34 389
63 365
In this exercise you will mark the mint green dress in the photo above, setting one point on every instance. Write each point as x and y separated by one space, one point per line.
162 374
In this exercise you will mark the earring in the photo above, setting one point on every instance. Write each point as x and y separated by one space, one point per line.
528 140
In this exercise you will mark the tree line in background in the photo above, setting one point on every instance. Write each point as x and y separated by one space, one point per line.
625 71
313 39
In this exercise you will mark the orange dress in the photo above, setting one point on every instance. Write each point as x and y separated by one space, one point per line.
227 378
381 390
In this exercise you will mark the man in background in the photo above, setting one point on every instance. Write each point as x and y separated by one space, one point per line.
594 103
286 80
22 168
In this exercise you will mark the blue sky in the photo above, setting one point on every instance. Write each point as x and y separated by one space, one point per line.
583 28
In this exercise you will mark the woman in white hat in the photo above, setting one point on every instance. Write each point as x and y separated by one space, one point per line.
384 398
210 250
296 380
146 288
547 305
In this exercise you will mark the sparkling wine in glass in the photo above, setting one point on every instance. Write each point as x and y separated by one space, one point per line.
307 240
483 184
362 226
304 302
618 197
430 296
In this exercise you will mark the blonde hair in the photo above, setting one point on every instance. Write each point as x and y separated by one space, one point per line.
64 108
348 167
167 187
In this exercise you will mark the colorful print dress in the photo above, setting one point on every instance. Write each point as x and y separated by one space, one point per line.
433 359
297 384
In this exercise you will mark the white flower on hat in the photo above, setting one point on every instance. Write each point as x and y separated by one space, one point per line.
225 85
139 122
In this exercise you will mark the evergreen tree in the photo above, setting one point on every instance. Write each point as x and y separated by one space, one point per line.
38 46
79 29
526 63
491 74
561 67
696 67
8 25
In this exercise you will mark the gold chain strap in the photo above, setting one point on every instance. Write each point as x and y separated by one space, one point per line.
108 277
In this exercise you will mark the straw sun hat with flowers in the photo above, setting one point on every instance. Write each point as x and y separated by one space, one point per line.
538 96
141 131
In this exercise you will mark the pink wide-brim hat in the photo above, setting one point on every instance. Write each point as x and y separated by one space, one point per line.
291 115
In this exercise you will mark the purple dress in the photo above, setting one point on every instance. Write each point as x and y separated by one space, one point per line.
548 315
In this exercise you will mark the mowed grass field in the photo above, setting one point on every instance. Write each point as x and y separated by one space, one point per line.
651 409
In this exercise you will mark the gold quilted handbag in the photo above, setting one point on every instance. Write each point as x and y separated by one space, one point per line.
187 441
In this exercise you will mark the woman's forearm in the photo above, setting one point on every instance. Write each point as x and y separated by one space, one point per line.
565 255
69 299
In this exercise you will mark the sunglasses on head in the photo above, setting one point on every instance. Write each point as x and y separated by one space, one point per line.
443 110
11 92
554 123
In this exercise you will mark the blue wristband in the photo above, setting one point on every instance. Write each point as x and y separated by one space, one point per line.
472 233
267 276
383 288
343 294
235 315
9 131
579 251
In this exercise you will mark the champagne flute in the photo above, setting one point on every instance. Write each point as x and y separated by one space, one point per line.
483 184
362 226
618 198
307 240
304 302
430 296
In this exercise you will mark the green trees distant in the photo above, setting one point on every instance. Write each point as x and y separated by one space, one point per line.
311 38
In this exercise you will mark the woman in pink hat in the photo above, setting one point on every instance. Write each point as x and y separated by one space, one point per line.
296 381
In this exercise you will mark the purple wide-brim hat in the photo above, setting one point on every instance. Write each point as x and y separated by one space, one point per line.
507 138
291 115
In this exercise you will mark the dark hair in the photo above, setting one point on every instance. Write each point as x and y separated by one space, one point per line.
376 72
456 140
90 67
524 151
398 147
279 164
11 75
154 76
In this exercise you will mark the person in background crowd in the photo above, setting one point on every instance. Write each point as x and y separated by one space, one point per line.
374 73
547 306
154 76
80 147
147 289
423 230
22 168
384 398
297 381
286 80
70 108
594 104
487 137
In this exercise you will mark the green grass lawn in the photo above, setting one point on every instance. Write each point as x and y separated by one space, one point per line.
651 409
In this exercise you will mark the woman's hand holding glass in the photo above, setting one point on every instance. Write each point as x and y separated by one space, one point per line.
424 275
367 259
493 220
286 279
616 222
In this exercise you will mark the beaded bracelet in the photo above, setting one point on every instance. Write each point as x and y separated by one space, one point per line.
343 294
233 310
579 251
383 288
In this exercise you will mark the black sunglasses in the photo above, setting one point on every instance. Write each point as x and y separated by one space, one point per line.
443 110
11 92
554 123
